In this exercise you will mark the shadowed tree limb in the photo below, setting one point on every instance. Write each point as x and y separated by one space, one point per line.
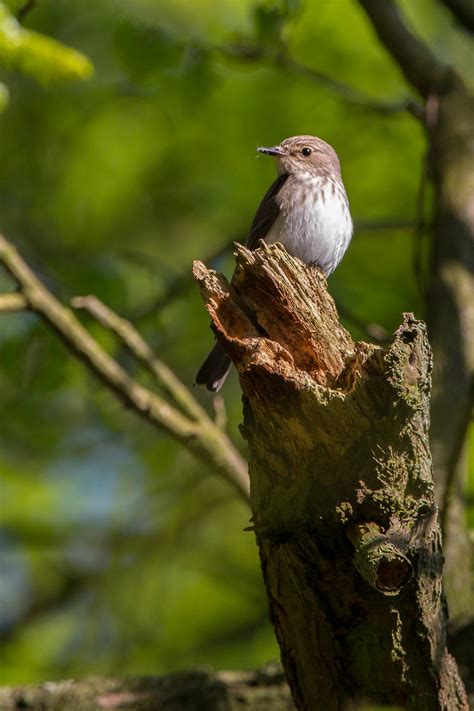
353 96
251 52
25 9
463 11
198 433
423 70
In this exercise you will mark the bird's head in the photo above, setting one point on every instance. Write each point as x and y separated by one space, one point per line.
304 154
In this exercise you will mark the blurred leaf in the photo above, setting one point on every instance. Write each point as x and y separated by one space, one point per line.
146 51
199 74
42 57
271 18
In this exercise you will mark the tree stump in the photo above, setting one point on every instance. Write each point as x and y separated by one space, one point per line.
341 489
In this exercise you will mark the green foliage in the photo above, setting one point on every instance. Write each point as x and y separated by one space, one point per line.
41 57
147 51
120 553
271 21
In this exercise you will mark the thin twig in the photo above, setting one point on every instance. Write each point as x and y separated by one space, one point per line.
249 52
128 334
373 330
420 227
25 9
12 303
383 224
354 96
182 283
421 223
202 438
220 411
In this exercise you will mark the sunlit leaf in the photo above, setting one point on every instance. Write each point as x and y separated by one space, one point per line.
42 57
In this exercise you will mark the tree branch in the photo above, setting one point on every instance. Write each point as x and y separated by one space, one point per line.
422 69
180 284
463 11
263 688
25 9
353 96
12 303
253 52
373 330
170 385
200 435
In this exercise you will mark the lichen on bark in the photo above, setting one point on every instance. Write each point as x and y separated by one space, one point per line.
338 437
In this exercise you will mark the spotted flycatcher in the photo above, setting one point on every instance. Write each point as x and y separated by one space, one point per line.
305 209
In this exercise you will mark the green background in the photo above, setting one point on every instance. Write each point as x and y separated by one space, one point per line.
122 162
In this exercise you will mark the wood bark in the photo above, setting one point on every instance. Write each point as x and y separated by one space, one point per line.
341 489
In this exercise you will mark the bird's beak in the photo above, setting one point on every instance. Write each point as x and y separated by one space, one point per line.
274 151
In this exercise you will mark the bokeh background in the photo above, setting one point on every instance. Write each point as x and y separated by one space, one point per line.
120 164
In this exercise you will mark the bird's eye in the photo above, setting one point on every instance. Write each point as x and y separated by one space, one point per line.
306 151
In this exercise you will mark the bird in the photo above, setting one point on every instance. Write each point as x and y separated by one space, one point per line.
306 209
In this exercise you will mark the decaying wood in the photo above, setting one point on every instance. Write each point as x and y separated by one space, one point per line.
341 483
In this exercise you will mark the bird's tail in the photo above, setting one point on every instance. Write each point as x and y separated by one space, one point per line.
214 370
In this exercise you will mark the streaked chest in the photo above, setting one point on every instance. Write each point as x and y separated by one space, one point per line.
314 223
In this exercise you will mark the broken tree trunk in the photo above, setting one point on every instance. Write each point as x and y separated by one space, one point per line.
341 489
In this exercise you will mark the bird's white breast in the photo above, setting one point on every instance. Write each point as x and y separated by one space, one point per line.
314 223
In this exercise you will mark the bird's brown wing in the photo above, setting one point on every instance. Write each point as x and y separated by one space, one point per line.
215 368
266 214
